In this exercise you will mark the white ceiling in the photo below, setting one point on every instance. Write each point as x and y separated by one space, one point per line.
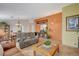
28 10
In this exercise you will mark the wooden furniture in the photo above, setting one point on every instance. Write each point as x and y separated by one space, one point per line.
54 23
45 51
38 23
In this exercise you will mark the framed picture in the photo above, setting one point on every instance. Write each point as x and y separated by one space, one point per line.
72 23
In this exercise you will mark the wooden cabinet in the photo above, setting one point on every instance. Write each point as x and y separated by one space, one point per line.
54 27
37 27
54 23
39 22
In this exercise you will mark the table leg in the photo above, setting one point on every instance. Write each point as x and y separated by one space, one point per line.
58 50
34 53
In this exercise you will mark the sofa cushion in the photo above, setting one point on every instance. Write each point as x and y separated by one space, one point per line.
27 39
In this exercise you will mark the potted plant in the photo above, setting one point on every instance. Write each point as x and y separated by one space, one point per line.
47 43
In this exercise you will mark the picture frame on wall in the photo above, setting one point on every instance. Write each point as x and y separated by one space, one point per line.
72 23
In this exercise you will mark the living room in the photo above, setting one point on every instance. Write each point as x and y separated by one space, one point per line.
37 29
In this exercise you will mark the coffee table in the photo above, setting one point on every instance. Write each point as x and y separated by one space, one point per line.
45 51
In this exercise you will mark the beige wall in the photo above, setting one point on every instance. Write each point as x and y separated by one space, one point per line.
69 38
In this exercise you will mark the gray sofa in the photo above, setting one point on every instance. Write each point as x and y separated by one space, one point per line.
27 39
